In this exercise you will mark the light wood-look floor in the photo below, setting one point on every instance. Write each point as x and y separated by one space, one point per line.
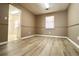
39 46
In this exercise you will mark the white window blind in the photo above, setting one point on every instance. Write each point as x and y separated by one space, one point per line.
49 23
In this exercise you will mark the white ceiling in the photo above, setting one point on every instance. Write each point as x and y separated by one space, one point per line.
39 8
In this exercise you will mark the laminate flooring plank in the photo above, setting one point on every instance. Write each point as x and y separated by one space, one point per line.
39 46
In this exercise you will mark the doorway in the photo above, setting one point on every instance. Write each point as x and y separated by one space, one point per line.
14 24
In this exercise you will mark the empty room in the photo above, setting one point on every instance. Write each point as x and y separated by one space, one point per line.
39 29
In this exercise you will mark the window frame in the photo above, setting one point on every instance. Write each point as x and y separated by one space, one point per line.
49 22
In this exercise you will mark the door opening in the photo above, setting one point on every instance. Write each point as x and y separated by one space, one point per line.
14 24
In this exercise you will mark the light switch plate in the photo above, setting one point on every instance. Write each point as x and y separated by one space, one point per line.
78 38
5 18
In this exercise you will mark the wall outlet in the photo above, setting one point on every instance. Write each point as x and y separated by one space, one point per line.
49 32
78 38
29 32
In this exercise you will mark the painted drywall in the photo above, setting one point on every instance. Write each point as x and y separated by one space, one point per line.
27 21
60 21
73 22
4 22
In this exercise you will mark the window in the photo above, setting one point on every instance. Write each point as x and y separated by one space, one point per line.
49 22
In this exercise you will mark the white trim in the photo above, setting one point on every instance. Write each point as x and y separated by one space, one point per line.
14 40
73 42
46 36
60 37
28 37
3 43
50 36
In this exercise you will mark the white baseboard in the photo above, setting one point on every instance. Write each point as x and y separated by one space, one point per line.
3 43
60 37
33 36
50 36
46 36
14 40
73 42
28 37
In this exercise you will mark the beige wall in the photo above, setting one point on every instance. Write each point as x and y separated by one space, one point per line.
60 24
3 23
73 22
27 21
